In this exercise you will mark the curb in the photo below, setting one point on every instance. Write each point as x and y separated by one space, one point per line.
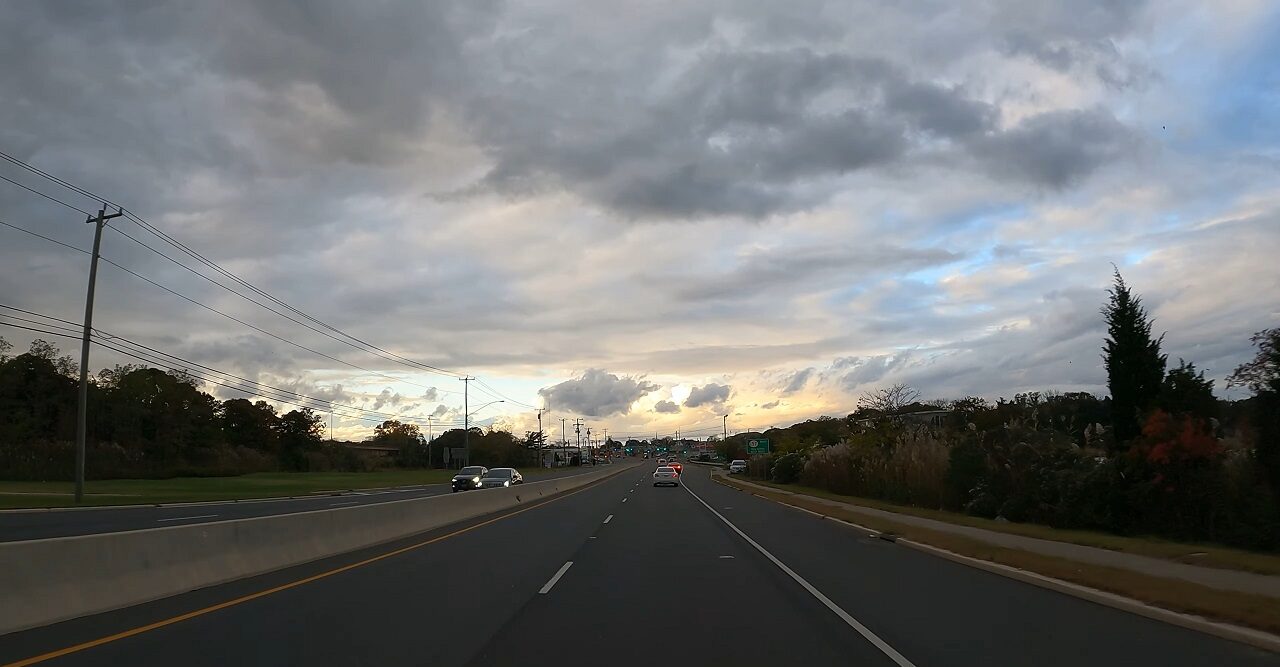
1237 633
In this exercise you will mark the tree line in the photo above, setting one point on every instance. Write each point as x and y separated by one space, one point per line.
144 422
148 423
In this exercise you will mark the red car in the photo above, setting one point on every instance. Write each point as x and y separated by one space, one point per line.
679 468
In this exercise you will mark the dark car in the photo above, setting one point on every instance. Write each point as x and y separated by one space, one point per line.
498 478
468 478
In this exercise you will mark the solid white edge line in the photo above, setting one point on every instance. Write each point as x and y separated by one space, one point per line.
608 518
835 608
184 518
559 573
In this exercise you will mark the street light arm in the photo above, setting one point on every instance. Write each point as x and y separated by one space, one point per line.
483 407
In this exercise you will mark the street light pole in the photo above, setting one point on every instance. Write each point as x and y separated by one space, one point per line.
726 428
429 438
564 444
82 415
577 430
541 444
466 423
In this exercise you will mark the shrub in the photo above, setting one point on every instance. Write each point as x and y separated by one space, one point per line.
966 468
786 470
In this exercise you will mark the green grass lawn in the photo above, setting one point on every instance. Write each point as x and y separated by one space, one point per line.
1208 555
193 489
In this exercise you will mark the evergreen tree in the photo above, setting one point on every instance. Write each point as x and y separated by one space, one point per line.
1187 392
1135 367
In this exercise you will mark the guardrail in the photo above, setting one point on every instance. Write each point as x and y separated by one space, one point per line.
50 580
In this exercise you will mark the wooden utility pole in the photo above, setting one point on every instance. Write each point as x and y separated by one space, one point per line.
82 417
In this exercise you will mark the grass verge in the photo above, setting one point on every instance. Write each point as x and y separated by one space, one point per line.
1207 555
14 495
1254 611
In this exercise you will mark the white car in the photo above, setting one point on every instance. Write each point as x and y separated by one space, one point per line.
737 466
666 475
662 462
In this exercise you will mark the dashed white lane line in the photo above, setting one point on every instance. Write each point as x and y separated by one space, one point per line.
861 629
559 573
608 518
186 518
624 500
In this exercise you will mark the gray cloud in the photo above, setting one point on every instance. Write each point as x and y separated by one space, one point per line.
770 405
333 392
866 370
816 267
666 407
597 393
440 411
387 397
738 132
1056 148
431 394
708 394
796 381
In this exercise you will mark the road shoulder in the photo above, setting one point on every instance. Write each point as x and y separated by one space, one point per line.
1234 615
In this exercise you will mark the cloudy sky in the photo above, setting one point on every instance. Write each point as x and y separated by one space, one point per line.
652 214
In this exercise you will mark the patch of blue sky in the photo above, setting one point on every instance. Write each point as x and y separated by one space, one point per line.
1134 257
977 223
1239 98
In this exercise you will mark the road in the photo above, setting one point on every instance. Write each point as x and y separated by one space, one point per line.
622 573
32 525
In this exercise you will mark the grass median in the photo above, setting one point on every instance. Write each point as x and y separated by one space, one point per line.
14 495
1255 611
1207 555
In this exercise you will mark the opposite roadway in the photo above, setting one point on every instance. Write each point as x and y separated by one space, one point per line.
622 573
37 524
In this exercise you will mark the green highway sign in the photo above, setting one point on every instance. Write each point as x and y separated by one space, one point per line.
760 446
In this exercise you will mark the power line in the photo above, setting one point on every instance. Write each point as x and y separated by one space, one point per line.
256 302
158 233
358 344
42 236
503 396
259 329
50 198
215 310
154 231
36 170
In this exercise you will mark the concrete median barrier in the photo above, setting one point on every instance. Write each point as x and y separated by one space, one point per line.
50 580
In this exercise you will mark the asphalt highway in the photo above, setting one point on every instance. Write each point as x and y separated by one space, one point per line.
622 573
37 524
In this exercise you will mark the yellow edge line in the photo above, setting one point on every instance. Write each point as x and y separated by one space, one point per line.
293 584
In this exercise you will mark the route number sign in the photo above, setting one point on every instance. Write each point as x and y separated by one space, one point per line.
760 446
